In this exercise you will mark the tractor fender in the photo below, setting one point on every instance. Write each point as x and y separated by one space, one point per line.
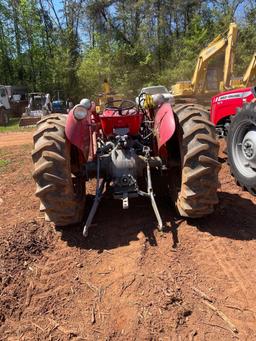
164 126
78 132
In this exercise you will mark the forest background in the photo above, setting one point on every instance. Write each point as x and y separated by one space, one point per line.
75 44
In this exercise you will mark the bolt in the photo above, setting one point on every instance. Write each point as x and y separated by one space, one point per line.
248 149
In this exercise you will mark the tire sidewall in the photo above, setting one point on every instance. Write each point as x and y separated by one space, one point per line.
199 166
53 175
242 118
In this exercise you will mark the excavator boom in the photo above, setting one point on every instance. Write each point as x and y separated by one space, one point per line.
229 57
204 56
224 42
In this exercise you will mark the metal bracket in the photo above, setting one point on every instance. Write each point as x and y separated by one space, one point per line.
125 201
99 190
150 194
94 208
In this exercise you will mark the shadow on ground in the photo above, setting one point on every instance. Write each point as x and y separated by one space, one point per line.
234 218
113 227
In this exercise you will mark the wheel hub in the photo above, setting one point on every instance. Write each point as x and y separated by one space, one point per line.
249 148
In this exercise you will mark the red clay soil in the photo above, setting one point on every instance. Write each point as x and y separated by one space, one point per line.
15 139
126 281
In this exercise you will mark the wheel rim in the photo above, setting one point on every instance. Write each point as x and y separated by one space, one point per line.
244 149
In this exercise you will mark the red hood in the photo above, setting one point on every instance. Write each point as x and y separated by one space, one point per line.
244 92
234 91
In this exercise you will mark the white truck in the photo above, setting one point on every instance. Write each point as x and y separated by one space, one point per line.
13 101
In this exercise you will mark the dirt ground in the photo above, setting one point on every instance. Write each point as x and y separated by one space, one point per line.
127 281
15 139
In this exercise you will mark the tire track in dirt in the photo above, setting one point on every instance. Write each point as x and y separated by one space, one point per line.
126 281
237 276
53 276
87 283
224 253
215 262
240 295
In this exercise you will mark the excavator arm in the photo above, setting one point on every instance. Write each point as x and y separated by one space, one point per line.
220 43
250 73
229 57
205 56
224 42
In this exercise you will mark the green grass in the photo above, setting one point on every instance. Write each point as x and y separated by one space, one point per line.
4 163
13 125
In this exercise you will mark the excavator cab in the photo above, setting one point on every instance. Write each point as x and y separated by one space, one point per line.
212 79
215 74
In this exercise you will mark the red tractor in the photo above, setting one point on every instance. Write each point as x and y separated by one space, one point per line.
234 114
120 148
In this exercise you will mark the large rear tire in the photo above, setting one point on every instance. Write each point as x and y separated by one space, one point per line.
61 193
196 182
241 146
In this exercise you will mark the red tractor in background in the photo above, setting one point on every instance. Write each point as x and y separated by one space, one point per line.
121 147
234 115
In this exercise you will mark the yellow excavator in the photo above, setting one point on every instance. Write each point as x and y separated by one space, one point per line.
249 75
213 69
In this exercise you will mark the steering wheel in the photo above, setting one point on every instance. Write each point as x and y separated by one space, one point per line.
121 106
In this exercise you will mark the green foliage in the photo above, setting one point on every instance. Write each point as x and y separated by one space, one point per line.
93 67
131 43
13 125
246 43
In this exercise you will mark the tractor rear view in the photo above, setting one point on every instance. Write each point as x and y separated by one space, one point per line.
120 148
